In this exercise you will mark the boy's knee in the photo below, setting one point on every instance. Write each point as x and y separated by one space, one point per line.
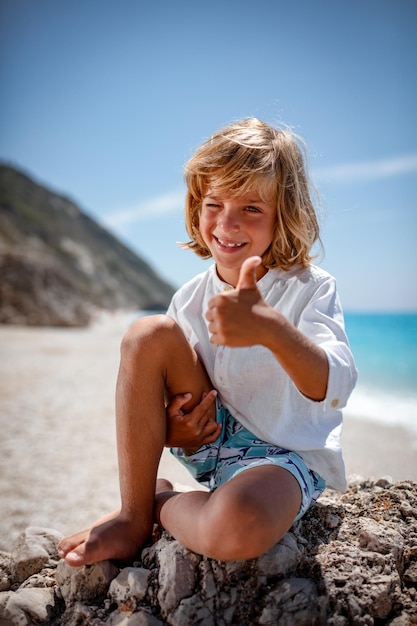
149 324
149 332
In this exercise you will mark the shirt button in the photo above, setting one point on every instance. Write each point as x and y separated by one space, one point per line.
334 403
228 288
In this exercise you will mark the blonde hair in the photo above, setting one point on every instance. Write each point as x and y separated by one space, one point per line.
251 155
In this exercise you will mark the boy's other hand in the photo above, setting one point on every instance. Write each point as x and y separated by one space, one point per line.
191 430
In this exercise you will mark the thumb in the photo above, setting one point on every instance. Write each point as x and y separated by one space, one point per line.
247 275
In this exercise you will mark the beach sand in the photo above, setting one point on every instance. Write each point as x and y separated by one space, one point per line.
58 464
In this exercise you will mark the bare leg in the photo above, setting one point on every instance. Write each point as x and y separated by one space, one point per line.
156 359
242 519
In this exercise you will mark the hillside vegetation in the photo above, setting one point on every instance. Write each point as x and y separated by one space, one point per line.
57 265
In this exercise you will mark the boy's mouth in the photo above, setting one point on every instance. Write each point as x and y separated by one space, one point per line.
229 244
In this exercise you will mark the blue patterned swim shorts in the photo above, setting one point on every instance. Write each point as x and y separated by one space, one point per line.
237 449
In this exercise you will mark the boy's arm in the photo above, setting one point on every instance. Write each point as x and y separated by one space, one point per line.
242 318
304 361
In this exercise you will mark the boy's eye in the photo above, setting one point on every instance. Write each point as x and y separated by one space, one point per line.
252 209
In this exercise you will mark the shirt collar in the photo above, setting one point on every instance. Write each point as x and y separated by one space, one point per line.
263 284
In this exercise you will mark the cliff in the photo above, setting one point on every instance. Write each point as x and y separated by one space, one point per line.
351 560
57 265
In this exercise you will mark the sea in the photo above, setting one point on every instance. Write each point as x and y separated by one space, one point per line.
385 349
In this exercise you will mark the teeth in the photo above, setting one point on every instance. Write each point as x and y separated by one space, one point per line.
229 245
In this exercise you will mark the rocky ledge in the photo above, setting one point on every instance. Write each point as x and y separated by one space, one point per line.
351 560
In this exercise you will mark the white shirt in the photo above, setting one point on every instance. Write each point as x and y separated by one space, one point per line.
253 385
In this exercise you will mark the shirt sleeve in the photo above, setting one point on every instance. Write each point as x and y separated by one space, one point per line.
172 309
322 321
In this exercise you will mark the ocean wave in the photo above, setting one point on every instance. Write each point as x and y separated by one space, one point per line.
394 408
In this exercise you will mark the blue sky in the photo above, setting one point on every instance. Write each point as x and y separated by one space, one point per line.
104 101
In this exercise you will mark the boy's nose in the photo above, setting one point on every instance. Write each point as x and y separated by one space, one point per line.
229 221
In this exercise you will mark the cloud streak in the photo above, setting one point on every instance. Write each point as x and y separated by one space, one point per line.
171 202
367 170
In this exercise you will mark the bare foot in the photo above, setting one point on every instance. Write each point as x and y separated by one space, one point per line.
112 537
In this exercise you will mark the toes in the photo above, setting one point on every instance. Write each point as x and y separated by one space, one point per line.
64 547
70 543
85 552
77 557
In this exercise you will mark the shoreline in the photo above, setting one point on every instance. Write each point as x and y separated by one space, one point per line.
58 462
376 450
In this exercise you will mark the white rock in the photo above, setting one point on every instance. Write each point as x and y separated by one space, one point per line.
5 571
293 601
193 611
33 550
139 618
280 559
207 581
380 538
131 582
4 598
27 606
86 583
177 575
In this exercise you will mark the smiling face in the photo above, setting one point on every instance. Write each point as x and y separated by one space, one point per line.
234 229
240 159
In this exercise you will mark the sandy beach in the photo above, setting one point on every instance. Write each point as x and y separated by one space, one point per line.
58 464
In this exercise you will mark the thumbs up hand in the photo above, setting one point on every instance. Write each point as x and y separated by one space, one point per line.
247 275
236 317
